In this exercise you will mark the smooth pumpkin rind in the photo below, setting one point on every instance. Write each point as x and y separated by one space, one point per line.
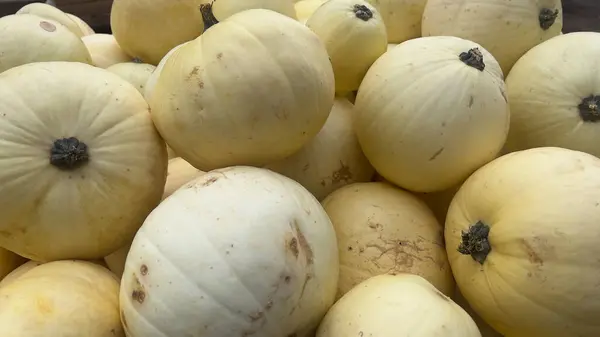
135 73
52 13
105 50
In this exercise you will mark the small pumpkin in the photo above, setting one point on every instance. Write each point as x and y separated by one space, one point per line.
554 95
431 111
330 160
517 232
105 50
89 168
305 8
349 27
507 29
51 13
269 259
264 118
83 26
402 18
133 72
9 261
20 34
222 9
391 306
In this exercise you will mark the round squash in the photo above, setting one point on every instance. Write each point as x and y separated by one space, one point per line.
431 111
51 13
82 162
21 34
105 50
554 95
330 160
349 27
83 26
62 298
522 240
269 261
279 90
9 261
151 82
392 306
382 229
222 9
484 328
305 8
146 29
17 272
133 72
402 18
507 29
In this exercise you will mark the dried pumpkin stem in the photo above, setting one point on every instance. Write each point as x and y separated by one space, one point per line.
547 18
208 16
68 153
475 242
137 60
589 109
363 12
473 58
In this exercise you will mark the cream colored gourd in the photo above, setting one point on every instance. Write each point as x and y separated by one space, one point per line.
430 111
349 27
105 50
382 229
21 34
17 272
51 13
402 18
94 168
484 328
262 237
392 306
83 26
149 87
529 221
62 298
305 8
222 9
554 95
133 72
9 261
330 160
146 29
279 89
507 29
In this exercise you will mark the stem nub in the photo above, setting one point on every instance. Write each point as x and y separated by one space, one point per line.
589 109
208 16
473 58
68 153
363 12
547 18
475 242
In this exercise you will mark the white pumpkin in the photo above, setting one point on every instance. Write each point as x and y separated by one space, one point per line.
222 9
82 162
354 35
279 90
431 111
402 18
522 240
237 251
393 306
507 29
105 50
51 13
133 72
554 95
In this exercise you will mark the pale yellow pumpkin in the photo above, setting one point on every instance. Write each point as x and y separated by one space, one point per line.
148 29
402 18
222 9
522 240
89 168
9 261
105 50
62 298
554 95
22 34
305 8
17 272
263 118
507 29
393 306
349 27
85 28
431 111
332 159
133 72
485 329
149 87
51 13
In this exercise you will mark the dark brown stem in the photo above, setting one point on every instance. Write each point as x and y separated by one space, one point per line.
137 60
589 109
475 242
68 153
547 18
473 58
363 12
207 15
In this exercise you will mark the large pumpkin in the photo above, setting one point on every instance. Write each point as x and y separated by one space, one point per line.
133 72
51 13
28 38
237 251
393 306
554 95
402 18
332 159
507 29
62 298
105 50
148 29
382 229
354 36
430 111
222 9
522 239
263 88
82 162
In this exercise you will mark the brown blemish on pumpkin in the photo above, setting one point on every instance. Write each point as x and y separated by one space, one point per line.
303 243
47 26
193 73
403 254
219 56
343 174
532 255
44 306
144 270
293 247
210 181
256 316
139 293
471 101
436 154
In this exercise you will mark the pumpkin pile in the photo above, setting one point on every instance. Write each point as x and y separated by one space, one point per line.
311 168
